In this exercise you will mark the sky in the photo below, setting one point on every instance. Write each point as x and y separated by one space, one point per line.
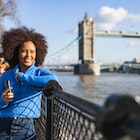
58 22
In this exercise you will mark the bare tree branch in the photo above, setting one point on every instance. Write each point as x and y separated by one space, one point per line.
8 9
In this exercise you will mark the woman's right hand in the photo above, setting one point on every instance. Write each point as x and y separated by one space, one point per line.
7 95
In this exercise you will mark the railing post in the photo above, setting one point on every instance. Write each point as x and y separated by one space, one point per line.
49 119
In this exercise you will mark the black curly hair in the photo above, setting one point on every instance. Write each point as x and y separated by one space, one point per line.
13 39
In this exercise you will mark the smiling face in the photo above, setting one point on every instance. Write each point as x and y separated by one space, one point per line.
26 55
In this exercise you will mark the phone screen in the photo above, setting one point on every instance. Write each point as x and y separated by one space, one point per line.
7 84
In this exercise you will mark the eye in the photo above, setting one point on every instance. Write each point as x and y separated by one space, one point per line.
32 51
23 50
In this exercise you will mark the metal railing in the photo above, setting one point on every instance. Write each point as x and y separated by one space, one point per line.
67 117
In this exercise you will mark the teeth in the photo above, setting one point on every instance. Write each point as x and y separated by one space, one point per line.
27 60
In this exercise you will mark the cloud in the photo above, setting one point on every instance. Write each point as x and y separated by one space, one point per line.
134 17
133 43
107 18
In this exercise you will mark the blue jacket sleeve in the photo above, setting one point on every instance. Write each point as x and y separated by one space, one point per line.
2 103
38 80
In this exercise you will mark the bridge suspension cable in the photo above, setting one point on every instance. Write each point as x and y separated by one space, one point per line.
63 50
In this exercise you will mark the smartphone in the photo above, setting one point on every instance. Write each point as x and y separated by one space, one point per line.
7 84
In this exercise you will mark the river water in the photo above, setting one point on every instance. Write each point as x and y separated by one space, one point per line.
97 88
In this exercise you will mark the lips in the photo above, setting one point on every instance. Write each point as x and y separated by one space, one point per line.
27 60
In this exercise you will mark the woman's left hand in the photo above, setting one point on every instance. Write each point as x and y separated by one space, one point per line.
16 77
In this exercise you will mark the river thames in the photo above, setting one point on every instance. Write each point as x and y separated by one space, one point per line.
97 88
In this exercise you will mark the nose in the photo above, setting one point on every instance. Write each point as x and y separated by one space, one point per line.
28 53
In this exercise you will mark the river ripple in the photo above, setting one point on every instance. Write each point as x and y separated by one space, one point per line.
98 88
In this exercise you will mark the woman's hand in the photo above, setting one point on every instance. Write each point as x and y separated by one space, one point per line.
16 77
7 95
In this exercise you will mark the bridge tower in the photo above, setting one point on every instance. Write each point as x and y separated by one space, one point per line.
86 48
86 31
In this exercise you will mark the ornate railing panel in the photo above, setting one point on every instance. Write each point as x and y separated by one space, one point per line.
67 117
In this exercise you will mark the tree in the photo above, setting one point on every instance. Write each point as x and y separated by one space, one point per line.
8 9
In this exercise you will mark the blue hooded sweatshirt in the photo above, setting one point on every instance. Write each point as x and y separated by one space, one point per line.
27 92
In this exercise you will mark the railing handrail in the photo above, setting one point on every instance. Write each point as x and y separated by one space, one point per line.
82 104
118 117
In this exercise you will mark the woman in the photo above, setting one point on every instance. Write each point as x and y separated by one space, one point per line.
24 50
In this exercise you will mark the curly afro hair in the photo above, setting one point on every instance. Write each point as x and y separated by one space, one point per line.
12 40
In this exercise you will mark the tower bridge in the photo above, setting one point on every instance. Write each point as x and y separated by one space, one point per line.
85 39
117 34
